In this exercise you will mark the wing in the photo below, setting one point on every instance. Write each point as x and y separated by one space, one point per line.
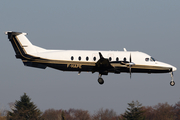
103 63
103 66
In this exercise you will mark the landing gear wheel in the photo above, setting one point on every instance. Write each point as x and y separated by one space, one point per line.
101 81
172 83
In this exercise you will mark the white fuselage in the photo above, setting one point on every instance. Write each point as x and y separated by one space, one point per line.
103 62
138 58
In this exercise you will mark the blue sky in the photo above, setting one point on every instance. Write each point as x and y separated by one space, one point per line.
152 27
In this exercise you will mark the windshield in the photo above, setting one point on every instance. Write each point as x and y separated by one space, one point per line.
152 59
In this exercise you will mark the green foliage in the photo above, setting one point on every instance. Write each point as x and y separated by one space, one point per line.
62 116
134 111
24 110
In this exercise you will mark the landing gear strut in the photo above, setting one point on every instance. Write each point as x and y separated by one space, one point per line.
172 83
100 80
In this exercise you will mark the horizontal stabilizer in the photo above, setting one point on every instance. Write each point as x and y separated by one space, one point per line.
14 33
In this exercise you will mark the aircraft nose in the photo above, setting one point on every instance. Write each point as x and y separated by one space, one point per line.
174 68
170 67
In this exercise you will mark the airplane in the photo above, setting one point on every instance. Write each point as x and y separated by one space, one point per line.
103 62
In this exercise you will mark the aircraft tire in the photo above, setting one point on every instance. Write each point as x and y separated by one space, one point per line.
101 81
172 83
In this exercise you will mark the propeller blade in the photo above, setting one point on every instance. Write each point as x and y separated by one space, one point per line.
130 70
130 65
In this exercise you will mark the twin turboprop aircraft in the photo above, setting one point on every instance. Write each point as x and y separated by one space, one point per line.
103 62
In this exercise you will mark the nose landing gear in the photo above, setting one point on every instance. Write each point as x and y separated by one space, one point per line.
172 83
100 80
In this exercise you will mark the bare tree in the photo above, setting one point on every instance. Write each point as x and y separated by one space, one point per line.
149 112
105 115
52 114
3 114
78 114
162 111
177 110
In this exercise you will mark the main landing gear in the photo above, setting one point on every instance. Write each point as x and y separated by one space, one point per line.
172 83
100 80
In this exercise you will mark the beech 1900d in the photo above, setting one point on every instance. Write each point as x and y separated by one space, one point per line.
103 62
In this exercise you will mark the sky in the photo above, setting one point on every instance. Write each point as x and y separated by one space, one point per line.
152 27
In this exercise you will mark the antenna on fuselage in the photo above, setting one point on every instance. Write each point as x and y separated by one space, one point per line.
125 50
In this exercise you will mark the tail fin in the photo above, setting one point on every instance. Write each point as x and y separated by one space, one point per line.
24 49
20 43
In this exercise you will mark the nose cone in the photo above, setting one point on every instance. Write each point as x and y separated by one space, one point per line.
170 67
174 68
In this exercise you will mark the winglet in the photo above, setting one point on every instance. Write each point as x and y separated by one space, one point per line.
125 50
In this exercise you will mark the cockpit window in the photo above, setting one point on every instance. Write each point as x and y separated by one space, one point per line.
146 59
152 59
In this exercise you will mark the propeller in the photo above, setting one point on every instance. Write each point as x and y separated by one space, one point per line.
130 64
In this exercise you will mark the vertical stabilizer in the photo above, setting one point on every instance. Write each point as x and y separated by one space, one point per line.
20 41
22 46
26 44
24 49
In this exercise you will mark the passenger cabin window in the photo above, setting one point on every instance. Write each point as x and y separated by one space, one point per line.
110 58
79 58
147 59
117 59
72 58
94 58
87 58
